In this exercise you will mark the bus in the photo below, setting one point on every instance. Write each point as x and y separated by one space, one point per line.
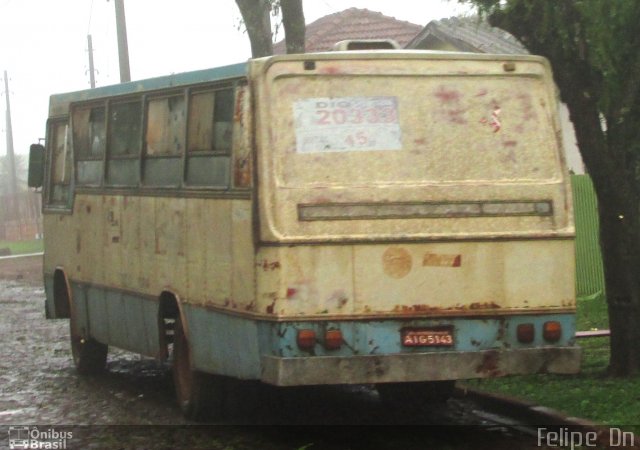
400 219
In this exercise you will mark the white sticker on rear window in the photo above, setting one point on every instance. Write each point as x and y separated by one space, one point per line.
347 124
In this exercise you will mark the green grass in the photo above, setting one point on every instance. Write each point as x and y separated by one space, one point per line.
592 314
23 247
591 394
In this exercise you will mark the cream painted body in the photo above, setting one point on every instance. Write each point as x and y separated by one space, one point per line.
473 130
410 279
199 249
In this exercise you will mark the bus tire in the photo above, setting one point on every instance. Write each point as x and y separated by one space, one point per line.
201 396
89 355
415 395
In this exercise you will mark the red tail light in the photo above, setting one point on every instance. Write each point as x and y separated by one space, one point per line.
306 339
525 333
333 339
552 331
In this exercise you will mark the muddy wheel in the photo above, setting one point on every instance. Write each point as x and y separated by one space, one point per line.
89 355
415 395
200 396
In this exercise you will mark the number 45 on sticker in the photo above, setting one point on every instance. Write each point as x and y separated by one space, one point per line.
358 139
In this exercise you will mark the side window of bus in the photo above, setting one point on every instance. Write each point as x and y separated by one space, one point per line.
164 141
89 141
60 178
209 138
125 137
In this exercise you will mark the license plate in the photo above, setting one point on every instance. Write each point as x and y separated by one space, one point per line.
418 337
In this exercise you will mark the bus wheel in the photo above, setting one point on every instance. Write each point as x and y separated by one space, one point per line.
416 395
89 355
200 396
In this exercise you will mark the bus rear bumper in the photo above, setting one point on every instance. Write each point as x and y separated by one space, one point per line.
431 366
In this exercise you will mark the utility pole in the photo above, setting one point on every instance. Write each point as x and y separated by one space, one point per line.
92 76
123 47
13 188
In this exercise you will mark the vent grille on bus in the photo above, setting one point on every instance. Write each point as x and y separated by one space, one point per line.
422 210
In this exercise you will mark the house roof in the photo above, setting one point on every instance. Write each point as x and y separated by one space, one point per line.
469 34
353 23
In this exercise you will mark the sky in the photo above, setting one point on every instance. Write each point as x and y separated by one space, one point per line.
43 44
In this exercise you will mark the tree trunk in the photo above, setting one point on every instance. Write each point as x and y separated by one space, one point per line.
294 27
255 14
619 240
619 213
609 161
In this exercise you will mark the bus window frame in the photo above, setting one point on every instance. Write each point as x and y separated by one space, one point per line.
133 156
218 159
76 156
50 205
214 154
178 157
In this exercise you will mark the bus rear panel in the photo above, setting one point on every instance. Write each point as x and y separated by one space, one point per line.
417 207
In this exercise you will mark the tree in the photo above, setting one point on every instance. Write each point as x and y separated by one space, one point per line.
256 15
294 27
594 48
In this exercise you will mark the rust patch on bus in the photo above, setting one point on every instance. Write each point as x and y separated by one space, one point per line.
330 70
489 365
502 330
413 309
396 262
268 266
339 297
457 116
242 172
483 305
239 116
448 95
408 309
436 260
271 308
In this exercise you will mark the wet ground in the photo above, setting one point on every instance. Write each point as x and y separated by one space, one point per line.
132 405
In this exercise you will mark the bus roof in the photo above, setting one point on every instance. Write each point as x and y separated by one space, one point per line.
59 102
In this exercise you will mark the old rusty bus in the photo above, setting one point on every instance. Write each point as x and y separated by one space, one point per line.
395 218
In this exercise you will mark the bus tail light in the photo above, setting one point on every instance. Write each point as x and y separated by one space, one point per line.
306 339
525 333
552 331
333 339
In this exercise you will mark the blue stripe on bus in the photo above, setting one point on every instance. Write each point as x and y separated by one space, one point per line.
383 336
233 345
